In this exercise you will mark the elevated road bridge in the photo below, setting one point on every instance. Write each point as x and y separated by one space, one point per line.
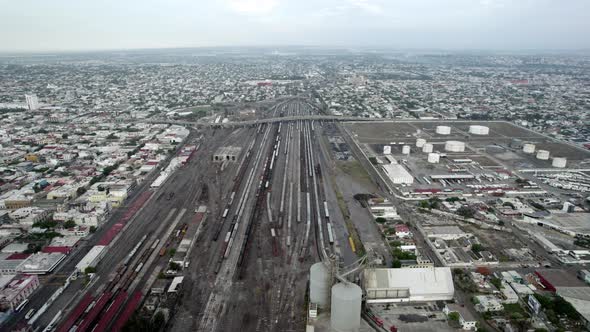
267 120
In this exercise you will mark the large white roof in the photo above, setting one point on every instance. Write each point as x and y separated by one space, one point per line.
432 283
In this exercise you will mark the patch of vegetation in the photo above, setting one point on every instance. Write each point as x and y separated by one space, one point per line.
355 170
466 212
497 283
47 224
557 307
431 203
69 224
477 248
399 254
464 281
90 269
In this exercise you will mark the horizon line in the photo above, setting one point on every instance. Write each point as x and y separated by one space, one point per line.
279 46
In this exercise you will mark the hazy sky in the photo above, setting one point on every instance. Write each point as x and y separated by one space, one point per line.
38 25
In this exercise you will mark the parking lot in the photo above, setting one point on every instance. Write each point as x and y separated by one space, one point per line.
412 317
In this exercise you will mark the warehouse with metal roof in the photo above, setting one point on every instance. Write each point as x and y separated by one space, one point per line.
408 284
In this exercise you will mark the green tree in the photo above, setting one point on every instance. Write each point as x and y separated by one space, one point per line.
69 224
92 229
174 266
466 212
453 316
90 269
434 202
496 282
396 264
380 220
477 248
80 191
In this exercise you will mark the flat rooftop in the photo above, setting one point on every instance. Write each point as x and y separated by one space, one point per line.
560 278
41 263
575 222
415 283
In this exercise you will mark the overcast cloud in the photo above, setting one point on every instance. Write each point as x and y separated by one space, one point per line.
39 25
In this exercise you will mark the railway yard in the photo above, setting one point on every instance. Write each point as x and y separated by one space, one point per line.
219 244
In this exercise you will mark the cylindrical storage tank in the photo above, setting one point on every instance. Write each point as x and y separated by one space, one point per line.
387 149
406 149
529 148
420 142
454 146
443 130
319 284
479 130
346 307
433 158
427 147
559 162
543 154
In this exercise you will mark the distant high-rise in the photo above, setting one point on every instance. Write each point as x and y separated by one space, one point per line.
32 102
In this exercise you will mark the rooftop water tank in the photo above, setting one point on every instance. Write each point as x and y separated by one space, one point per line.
319 284
420 142
433 158
406 149
479 130
543 154
387 149
346 307
427 147
454 146
529 148
443 130
559 162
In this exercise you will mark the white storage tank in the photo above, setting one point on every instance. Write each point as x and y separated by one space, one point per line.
454 146
559 162
479 130
543 154
420 142
529 148
346 307
406 149
319 284
427 147
433 158
387 149
443 130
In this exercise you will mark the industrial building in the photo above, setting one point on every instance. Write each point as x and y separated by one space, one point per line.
41 263
91 259
398 174
408 285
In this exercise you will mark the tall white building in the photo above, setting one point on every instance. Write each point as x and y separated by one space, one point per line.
32 102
